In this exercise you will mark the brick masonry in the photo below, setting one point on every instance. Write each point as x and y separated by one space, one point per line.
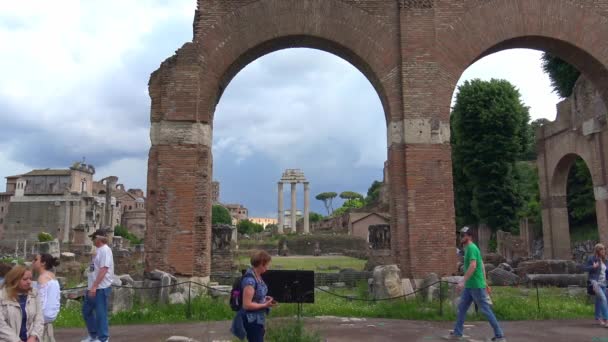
412 51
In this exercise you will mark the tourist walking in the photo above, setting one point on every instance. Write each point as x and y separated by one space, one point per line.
598 272
101 274
474 289
49 292
20 310
250 320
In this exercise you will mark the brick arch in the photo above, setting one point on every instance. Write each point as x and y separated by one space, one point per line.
266 26
561 27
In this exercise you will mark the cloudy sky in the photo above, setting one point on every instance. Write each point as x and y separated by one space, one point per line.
74 84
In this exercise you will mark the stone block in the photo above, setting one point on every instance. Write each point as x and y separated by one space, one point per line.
387 282
126 280
502 277
121 299
177 298
408 289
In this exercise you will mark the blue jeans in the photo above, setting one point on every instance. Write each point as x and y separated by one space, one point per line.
95 314
601 304
255 331
480 297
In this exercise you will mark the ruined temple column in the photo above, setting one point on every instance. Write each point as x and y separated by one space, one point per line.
293 207
306 207
281 213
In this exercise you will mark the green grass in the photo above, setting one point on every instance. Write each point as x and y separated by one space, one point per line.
312 263
509 304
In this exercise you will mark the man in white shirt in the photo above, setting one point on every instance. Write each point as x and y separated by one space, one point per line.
101 274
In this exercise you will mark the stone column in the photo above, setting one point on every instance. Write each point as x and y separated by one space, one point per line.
281 216
293 206
306 207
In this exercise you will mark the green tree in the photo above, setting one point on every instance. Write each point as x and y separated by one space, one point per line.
490 132
348 195
581 201
327 199
314 217
220 215
373 193
248 227
563 75
354 203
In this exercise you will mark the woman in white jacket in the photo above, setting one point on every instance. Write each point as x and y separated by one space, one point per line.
20 309
48 291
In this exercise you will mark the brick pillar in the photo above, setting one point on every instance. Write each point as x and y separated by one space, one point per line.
425 225
601 212
178 236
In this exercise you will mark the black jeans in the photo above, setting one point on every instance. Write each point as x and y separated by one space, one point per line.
255 331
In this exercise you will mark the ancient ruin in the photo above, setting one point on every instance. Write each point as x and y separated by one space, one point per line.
579 130
293 177
413 52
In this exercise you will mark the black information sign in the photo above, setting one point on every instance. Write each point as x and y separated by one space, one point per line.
290 286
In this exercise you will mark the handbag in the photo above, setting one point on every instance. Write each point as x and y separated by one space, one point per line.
590 290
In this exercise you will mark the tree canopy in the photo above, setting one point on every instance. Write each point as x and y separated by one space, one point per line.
327 198
489 134
220 215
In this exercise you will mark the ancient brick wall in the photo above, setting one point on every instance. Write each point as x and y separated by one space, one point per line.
412 51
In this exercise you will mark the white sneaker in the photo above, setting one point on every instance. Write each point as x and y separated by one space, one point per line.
90 339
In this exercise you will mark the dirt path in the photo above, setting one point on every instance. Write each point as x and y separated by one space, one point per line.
369 330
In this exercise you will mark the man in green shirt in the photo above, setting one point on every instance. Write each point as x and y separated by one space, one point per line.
474 289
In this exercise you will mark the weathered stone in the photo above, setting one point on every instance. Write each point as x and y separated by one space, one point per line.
501 277
489 267
155 275
220 290
387 282
548 267
126 280
576 291
177 298
430 287
408 289
121 299
559 280
339 284
505 267
67 257
494 259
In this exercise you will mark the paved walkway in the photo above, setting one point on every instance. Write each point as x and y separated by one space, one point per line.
335 329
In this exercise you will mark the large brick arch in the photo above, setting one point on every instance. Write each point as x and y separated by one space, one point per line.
565 28
412 51
266 26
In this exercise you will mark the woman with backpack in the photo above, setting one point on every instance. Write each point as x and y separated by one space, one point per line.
250 318
598 272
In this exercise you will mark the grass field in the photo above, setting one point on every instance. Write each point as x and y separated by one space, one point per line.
311 263
509 304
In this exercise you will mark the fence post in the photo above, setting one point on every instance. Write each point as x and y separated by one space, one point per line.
189 313
537 300
440 298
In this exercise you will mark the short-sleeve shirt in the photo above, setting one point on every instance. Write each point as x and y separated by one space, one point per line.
261 290
103 258
476 281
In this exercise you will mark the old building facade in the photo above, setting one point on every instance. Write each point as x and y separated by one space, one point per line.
68 204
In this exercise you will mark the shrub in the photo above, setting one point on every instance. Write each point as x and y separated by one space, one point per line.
44 237
125 233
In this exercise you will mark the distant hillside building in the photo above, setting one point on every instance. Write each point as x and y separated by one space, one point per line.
237 211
